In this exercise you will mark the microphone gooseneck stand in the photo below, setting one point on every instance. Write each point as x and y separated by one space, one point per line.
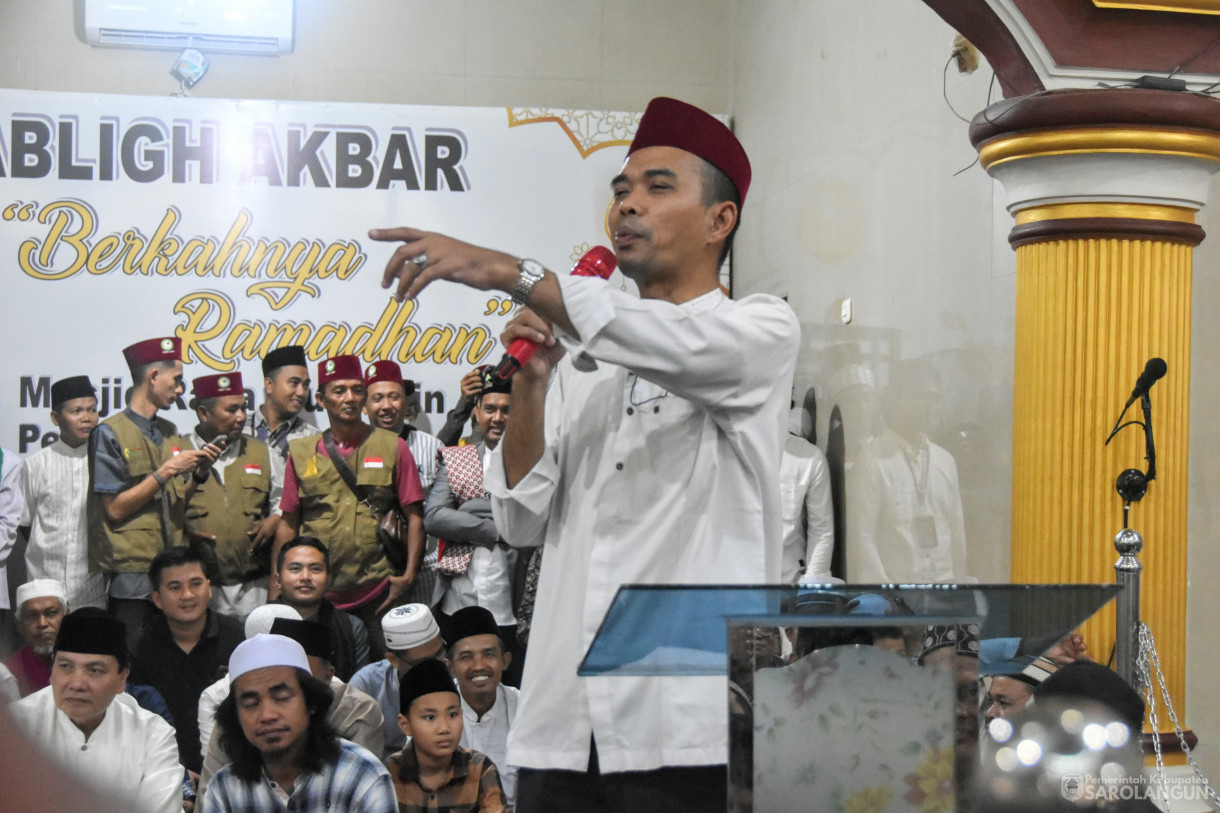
1132 485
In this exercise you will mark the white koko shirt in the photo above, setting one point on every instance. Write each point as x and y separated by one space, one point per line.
55 485
132 753
661 466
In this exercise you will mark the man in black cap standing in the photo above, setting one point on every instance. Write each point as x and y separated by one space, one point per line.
54 482
85 722
651 456
285 391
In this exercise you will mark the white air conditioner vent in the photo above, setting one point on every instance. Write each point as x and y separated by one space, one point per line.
212 26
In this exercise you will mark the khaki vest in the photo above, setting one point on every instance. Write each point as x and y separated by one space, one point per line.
228 510
331 512
129 546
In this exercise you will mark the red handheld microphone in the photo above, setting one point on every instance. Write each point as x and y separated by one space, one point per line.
598 261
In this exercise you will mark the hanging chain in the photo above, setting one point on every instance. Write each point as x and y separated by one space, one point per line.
1143 670
1146 661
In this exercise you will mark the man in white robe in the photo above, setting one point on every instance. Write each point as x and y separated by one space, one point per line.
85 722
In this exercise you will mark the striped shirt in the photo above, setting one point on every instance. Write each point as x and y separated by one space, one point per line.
55 484
473 785
355 783
291 429
426 450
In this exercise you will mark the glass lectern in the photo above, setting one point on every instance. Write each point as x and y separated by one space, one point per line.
853 698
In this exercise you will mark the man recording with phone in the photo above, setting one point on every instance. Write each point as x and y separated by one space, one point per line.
231 516
140 477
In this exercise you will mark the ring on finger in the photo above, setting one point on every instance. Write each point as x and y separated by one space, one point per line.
421 260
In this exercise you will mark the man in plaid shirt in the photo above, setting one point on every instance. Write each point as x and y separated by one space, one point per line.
286 756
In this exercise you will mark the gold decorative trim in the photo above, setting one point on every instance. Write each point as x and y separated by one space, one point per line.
1146 140
1136 211
589 130
1183 6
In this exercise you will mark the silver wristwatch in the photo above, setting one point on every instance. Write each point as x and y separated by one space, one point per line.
530 273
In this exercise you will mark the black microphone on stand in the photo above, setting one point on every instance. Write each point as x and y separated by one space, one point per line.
1132 484
1154 371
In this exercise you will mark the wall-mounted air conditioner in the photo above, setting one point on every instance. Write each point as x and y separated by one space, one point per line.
212 26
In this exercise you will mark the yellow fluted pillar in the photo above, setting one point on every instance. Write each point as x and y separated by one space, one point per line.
1103 187
1090 313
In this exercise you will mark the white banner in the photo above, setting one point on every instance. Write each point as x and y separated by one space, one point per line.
241 226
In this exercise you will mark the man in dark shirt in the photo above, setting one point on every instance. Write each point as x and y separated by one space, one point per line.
304 576
183 649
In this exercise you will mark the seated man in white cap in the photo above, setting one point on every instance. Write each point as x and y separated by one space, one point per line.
85 722
411 637
355 716
41 606
260 620
285 752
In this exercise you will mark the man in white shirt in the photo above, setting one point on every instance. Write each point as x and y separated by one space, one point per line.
54 485
477 659
809 520
653 458
904 512
86 724
10 516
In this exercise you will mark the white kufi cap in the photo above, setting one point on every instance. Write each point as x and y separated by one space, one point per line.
42 588
263 617
409 626
265 650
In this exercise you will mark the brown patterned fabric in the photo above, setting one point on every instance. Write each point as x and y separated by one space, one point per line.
464 465
473 785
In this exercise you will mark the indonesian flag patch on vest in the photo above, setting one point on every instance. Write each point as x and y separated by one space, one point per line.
254 468
374 463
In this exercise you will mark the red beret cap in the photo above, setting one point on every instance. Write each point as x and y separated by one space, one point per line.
339 368
382 371
216 386
151 350
671 123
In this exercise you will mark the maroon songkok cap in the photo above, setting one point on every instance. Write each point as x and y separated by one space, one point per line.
339 368
216 386
380 371
152 350
671 123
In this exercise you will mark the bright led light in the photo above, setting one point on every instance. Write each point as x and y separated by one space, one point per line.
1094 736
1006 759
1029 752
1117 734
1071 720
1000 729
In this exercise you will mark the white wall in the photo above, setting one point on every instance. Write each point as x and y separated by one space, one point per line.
588 54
